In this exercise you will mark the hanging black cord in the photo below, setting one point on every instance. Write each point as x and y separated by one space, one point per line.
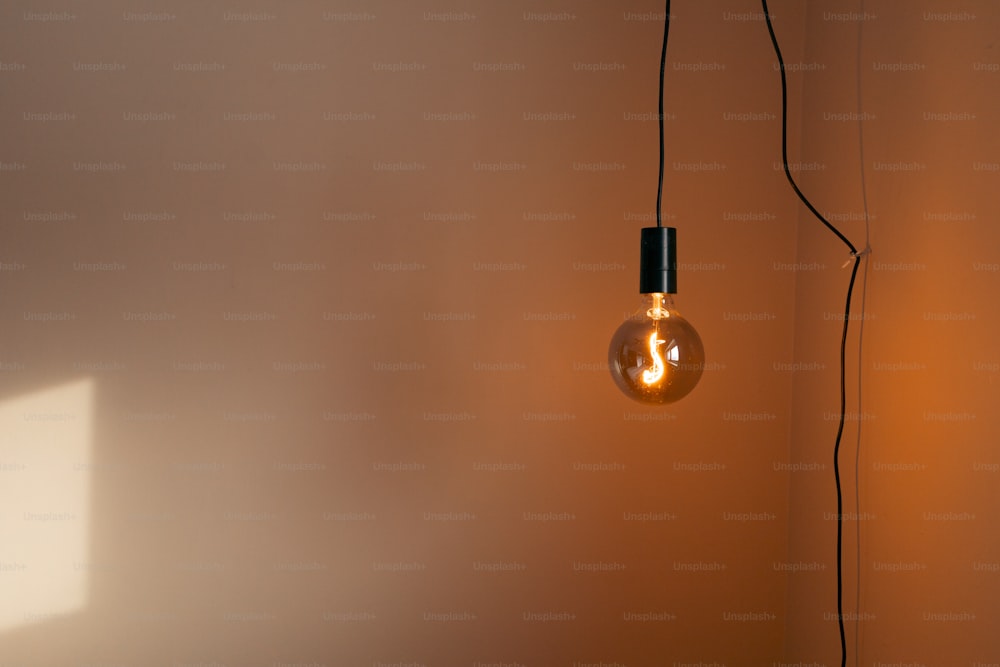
836 465
784 136
663 68
843 338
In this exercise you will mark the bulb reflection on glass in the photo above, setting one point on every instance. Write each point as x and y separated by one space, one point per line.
656 356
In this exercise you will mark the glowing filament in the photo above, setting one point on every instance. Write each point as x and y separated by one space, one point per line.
654 374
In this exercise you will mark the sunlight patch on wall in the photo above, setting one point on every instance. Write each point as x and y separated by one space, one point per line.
45 450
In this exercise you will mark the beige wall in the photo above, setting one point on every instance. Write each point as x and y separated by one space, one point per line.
372 363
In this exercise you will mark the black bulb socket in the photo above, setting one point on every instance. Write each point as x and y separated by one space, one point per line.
658 261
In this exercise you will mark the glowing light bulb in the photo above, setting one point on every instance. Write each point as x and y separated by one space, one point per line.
656 356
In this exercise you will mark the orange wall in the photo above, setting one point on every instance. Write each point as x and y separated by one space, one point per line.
380 279
927 459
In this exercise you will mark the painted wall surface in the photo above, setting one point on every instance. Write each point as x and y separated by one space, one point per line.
304 311
927 566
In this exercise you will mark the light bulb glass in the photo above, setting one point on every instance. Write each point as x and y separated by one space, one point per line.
656 356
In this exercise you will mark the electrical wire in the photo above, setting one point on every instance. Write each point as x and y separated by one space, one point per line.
856 256
663 68
861 338
836 465
784 136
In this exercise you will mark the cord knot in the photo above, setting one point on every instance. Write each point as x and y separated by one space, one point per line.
856 254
